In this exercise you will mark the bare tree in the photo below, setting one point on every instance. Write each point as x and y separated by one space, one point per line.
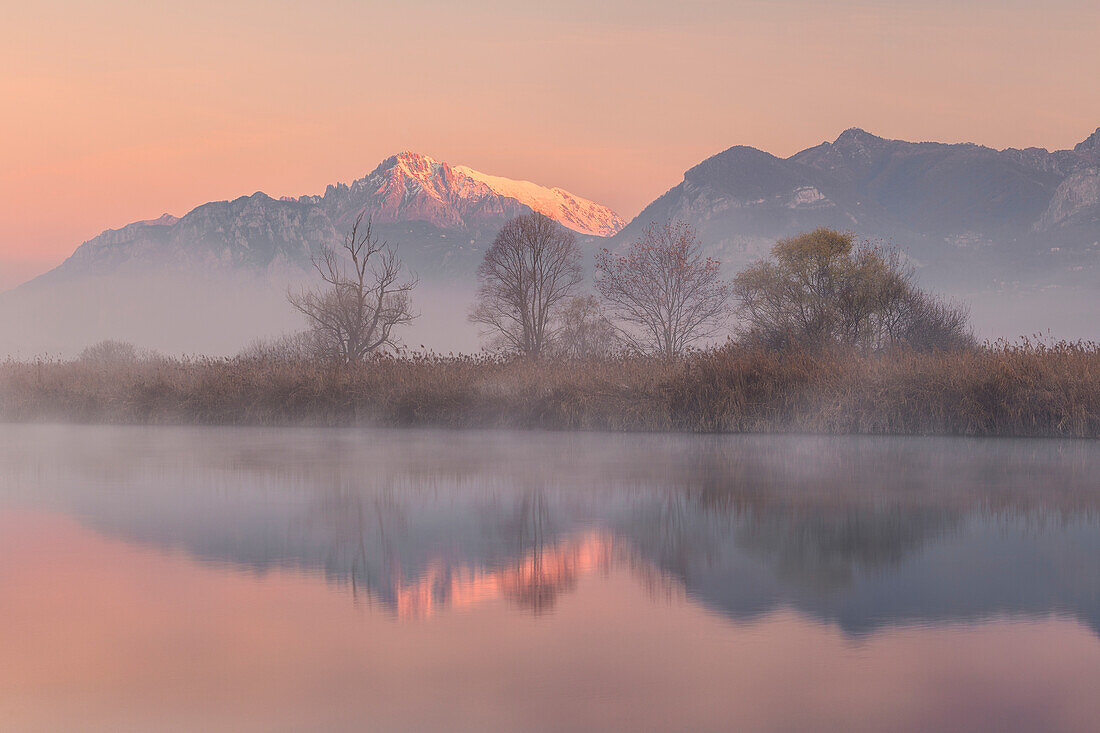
529 271
666 292
363 297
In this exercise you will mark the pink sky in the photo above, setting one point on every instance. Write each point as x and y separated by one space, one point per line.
121 110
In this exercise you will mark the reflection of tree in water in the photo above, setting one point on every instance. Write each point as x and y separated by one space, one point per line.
816 530
845 520
815 542
1025 477
671 535
547 563
362 527
534 582
663 554
724 537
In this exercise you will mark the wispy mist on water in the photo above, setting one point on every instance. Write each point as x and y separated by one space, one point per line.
859 531
418 564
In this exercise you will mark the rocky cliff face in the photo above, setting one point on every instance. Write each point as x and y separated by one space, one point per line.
1090 146
1077 195
579 214
413 187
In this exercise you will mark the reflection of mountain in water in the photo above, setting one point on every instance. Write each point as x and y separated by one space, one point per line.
874 567
858 532
532 581
822 550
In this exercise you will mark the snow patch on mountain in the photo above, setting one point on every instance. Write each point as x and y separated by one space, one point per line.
579 214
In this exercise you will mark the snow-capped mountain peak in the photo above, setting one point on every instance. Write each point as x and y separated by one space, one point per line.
414 186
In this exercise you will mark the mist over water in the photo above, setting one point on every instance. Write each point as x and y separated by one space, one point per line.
785 582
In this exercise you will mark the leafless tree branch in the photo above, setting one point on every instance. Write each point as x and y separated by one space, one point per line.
529 271
664 292
363 297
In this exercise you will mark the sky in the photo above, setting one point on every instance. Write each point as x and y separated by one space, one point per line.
121 110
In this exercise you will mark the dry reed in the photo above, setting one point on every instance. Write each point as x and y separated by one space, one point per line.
1025 389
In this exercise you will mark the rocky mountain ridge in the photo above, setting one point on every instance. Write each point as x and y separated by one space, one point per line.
442 214
955 208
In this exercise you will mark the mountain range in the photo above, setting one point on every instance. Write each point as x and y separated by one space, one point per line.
442 216
979 214
971 219
968 214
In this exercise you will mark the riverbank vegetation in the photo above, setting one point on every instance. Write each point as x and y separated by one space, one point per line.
1026 389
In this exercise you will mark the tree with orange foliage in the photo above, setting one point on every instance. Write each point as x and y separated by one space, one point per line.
665 293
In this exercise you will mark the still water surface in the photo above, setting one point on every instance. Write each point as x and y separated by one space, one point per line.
241 579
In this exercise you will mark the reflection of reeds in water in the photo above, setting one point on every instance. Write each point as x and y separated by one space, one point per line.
533 581
1027 389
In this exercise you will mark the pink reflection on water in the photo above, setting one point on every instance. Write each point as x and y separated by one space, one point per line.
99 634
533 581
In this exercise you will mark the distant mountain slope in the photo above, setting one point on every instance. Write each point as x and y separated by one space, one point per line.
253 232
440 215
964 211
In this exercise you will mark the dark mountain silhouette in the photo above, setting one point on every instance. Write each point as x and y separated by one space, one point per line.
967 214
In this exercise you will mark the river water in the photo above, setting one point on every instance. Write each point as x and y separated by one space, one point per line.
295 579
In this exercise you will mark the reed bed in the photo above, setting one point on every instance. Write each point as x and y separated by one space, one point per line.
1024 389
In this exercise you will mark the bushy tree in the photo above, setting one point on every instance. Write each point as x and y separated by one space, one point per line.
584 332
821 288
530 271
110 351
287 348
664 292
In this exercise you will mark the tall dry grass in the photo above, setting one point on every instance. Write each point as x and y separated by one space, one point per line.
1025 389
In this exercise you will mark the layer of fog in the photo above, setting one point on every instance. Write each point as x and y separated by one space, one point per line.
218 315
191 315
